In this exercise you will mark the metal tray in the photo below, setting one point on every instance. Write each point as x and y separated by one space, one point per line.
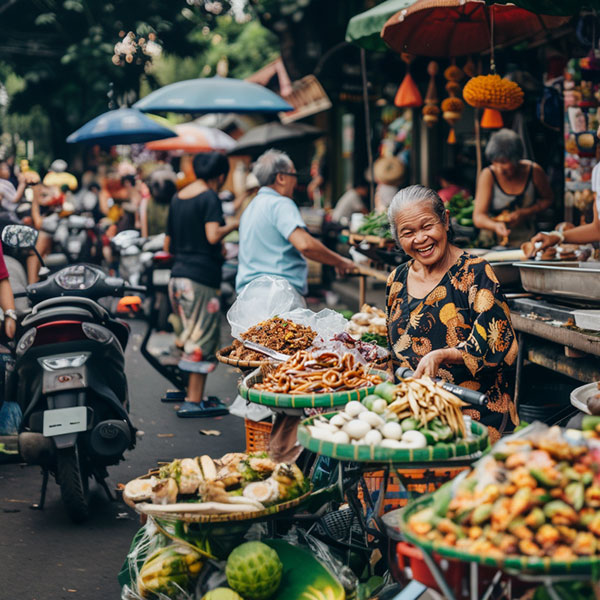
579 280
581 395
507 273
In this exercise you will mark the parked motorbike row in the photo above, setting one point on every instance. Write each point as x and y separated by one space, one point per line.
69 373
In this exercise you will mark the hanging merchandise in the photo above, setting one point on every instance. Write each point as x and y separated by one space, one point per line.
492 91
491 119
431 111
453 106
408 95
469 68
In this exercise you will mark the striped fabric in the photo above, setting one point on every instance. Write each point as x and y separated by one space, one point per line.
7 195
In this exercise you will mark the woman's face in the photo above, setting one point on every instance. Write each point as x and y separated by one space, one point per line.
506 168
421 233
4 171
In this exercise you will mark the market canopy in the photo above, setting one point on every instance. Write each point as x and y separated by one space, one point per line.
448 28
365 28
121 126
213 94
262 137
554 7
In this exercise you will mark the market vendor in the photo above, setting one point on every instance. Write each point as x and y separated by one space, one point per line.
511 191
446 315
584 234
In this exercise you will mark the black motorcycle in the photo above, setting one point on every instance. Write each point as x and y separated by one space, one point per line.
69 378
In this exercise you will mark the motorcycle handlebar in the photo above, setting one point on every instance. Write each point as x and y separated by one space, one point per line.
139 289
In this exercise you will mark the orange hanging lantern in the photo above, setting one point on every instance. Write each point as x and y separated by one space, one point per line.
408 95
491 119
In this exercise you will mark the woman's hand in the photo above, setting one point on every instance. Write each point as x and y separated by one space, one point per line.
515 217
501 230
430 363
546 240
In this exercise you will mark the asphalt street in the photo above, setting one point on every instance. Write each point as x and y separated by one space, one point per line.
43 555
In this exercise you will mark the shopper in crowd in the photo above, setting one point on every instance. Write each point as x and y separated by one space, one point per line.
450 186
447 316
10 196
273 236
584 234
388 173
195 228
354 200
162 186
511 191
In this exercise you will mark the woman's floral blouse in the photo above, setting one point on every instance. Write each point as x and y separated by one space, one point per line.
468 311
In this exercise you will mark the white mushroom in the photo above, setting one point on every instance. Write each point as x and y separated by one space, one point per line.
357 429
354 408
391 431
373 419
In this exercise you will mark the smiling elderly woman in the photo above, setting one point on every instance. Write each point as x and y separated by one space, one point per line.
446 315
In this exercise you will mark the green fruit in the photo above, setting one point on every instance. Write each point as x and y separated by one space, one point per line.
222 594
254 571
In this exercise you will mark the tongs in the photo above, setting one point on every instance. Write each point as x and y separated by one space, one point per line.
470 396
278 356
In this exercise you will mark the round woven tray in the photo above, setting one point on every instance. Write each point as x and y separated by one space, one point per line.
328 400
375 454
271 511
223 357
509 563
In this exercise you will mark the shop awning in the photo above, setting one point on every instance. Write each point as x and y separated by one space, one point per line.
552 7
365 28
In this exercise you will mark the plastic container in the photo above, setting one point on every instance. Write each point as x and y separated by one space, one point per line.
587 319
408 556
258 435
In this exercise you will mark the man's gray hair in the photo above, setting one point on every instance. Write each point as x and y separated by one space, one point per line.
505 144
269 164
414 194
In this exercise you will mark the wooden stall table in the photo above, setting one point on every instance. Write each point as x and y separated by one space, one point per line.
567 350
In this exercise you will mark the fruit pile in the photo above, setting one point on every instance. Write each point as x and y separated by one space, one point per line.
537 494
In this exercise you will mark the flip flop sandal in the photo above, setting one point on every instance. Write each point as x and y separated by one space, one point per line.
211 407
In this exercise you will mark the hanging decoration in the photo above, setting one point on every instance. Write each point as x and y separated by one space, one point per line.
431 111
408 95
453 106
493 93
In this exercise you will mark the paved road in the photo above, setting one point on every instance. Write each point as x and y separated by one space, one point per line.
43 556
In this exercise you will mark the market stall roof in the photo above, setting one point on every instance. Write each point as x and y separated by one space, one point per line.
553 7
213 94
121 126
447 28
194 138
365 28
262 137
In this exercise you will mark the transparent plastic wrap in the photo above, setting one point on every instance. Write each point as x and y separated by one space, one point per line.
159 567
536 494
262 299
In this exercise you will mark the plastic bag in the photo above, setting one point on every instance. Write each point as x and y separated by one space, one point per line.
249 410
326 322
262 299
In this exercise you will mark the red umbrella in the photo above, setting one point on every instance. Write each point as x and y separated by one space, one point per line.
446 28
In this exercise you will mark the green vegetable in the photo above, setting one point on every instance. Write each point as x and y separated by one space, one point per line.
481 514
465 222
376 224
442 498
559 507
347 314
547 479
368 400
409 424
590 422
430 436
374 338
387 391
575 495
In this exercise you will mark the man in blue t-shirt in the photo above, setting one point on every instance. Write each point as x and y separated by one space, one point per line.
273 236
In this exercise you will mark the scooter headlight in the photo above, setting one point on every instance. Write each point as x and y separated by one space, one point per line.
76 277
26 341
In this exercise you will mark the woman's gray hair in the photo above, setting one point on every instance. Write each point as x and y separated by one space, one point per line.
505 144
415 194
269 164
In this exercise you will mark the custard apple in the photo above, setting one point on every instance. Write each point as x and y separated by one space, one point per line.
254 571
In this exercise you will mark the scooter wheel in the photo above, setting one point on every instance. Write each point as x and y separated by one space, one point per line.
73 482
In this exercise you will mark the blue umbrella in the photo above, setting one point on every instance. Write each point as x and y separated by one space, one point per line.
213 95
121 126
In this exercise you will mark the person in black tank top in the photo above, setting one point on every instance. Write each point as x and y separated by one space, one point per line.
511 191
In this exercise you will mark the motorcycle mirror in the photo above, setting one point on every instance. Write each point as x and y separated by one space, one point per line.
19 236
